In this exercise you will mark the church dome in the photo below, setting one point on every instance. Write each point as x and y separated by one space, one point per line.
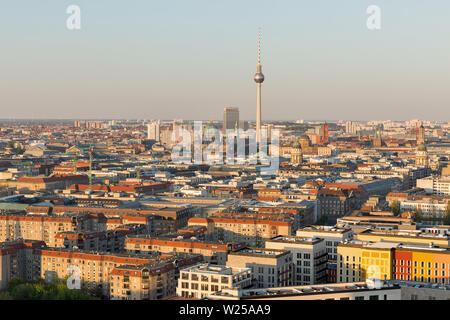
421 147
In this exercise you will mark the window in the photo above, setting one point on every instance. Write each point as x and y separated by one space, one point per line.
373 297
359 298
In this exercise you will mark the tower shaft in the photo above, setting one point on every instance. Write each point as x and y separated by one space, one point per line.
259 79
258 113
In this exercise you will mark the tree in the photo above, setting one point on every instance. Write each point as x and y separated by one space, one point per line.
418 215
18 289
395 207
447 214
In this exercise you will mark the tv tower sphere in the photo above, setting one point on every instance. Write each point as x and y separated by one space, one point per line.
259 77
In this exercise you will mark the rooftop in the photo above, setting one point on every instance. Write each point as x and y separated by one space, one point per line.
215 269
260 252
298 290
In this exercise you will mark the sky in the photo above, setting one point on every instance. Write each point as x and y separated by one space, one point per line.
178 59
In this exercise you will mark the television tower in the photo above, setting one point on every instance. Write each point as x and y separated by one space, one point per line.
259 79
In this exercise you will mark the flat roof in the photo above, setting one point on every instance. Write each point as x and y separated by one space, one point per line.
260 252
296 239
215 269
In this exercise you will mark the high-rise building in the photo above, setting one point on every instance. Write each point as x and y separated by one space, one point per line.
243 125
351 127
153 130
230 118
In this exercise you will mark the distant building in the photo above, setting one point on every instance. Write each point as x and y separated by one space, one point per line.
153 130
230 118
435 185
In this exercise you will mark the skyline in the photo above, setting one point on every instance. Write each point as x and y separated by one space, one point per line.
148 62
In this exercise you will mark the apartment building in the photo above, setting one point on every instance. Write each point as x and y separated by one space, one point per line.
94 267
332 236
422 263
252 231
435 185
160 219
270 267
151 281
201 280
333 203
104 241
431 208
45 227
361 260
17 260
212 252
309 258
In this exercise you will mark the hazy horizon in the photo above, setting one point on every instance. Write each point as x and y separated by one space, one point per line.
190 60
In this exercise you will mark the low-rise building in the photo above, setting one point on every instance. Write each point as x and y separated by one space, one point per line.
200 280
270 267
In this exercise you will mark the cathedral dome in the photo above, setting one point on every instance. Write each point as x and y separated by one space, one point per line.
422 147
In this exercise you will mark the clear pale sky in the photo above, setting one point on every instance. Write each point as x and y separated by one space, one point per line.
166 59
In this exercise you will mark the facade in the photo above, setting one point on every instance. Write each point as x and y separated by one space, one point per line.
333 203
429 264
212 252
45 227
421 156
105 241
18 260
252 231
435 185
296 154
153 130
152 281
309 258
201 280
270 267
360 260
332 236
230 119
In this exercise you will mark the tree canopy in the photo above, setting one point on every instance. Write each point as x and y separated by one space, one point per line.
19 289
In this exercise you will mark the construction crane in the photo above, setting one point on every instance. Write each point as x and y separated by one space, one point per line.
29 165
138 174
90 167
75 162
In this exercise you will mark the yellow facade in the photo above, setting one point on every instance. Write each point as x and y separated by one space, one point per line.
348 263
422 268
376 263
